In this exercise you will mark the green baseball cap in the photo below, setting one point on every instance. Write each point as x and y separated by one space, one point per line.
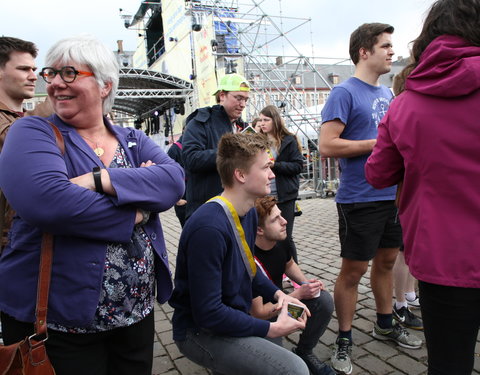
233 82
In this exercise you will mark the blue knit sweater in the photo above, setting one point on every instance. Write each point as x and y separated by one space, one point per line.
213 290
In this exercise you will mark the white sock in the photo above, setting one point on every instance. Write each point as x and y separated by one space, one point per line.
399 305
411 296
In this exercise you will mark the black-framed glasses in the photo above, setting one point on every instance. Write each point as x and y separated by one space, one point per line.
67 73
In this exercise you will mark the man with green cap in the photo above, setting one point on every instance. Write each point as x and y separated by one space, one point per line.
205 127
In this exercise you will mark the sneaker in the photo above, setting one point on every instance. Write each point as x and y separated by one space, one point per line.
315 366
415 304
406 318
398 334
341 356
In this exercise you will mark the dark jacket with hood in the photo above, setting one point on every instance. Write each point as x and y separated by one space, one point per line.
204 129
287 168
430 138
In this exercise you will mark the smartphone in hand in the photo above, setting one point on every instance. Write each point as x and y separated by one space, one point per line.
249 129
294 310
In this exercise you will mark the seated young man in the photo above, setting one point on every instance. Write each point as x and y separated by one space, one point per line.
216 277
274 261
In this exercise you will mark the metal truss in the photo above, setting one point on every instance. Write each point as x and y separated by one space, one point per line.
142 92
280 74
160 94
155 77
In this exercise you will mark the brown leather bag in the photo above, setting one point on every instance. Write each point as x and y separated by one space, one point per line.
29 356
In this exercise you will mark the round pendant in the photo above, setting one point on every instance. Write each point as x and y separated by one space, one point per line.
99 151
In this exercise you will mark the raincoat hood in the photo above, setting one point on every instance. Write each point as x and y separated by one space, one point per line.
449 67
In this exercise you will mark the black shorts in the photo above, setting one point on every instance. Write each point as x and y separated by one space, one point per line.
367 226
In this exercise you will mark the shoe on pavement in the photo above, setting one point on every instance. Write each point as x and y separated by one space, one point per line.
315 366
415 304
397 334
406 318
341 356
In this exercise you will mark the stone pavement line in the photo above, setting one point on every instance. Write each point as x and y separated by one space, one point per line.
316 237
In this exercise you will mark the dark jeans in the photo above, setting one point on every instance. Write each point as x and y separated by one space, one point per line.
288 213
321 309
121 351
451 321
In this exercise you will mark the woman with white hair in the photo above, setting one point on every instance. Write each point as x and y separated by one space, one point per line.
100 199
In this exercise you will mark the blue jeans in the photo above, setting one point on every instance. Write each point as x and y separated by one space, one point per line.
240 355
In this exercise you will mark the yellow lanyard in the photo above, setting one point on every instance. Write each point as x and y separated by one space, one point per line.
234 221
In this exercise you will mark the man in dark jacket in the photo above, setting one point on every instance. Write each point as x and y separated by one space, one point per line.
204 129
175 152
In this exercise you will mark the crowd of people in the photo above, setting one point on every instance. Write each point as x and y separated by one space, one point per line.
234 191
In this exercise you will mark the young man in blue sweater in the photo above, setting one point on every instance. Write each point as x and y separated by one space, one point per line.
216 277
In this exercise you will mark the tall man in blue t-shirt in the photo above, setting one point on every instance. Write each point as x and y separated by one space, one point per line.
368 223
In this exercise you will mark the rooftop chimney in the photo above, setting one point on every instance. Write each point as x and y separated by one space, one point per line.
120 46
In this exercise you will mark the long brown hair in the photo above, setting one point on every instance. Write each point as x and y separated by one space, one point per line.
279 129
447 17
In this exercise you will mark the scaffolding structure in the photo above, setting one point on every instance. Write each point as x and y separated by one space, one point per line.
256 35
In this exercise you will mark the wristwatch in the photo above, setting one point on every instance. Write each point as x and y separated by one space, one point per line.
97 179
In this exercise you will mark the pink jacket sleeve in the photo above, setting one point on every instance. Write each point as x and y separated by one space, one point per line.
385 166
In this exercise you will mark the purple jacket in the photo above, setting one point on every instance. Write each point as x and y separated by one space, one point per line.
34 176
430 137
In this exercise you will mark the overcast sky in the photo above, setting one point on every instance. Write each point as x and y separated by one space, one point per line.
45 22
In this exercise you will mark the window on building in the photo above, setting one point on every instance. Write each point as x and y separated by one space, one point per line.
308 99
334 78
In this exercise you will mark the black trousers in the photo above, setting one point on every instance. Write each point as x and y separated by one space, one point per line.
121 351
288 213
451 320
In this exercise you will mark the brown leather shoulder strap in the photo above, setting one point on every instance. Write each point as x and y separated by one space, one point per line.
46 257
58 137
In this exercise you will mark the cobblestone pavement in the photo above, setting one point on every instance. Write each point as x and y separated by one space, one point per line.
315 234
